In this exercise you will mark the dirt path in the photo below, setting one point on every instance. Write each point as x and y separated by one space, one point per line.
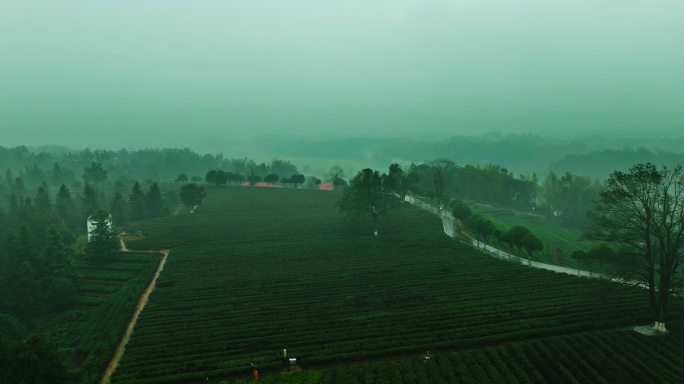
121 348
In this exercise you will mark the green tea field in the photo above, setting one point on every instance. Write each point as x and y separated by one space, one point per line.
257 270
107 295
603 357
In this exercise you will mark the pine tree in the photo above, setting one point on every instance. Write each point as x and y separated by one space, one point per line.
103 244
57 174
137 202
18 187
59 287
9 177
90 203
56 256
119 209
153 201
66 209
42 201
25 245
24 300
13 208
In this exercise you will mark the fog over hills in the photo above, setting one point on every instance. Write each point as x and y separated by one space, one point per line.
140 74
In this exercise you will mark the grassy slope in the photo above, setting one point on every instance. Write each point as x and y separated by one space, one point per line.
256 270
559 241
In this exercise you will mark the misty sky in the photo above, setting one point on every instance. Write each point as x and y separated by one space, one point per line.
112 73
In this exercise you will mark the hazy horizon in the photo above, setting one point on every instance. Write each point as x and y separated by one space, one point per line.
113 74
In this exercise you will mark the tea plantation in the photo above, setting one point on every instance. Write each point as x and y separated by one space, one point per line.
107 295
257 270
603 357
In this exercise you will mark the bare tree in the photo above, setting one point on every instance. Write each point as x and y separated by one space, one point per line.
643 211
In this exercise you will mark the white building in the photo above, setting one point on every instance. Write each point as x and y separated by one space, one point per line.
91 224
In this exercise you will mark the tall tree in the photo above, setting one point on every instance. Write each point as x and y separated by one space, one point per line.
90 203
440 170
119 209
297 179
153 201
460 210
335 173
42 201
253 178
192 195
642 211
102 243
271 178
366 198
66 208
60 290
94 173
137 203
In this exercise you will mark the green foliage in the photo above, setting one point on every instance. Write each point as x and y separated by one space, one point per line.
460 210
103 244
11 328
119 209
153 201
481 225
35 360
368 196
568 197
94 173
297 179
192 194
490 183
272 178
253 179
520 237
90 203
217 177
136 201
642 211
66 208
559 240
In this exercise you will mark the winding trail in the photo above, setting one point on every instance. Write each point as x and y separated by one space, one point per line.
121 348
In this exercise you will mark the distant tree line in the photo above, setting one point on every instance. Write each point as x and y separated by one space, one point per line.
567 198
56 166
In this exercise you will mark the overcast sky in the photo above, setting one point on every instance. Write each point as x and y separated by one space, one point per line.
105 72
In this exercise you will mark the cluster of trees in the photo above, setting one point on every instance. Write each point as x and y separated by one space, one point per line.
40 239
567 198
56 165
443 179
35 360
517 237
220 177
599 255
36 252
371 194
